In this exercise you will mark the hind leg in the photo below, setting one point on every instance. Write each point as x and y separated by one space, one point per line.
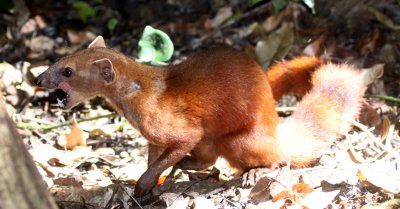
249 149
252 152
201 157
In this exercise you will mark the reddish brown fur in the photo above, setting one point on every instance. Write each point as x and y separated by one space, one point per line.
217 103
293 76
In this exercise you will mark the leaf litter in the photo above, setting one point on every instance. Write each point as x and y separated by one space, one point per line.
95 155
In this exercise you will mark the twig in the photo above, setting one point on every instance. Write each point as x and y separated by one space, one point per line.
50 127
373 138
115 190
388 98
130 196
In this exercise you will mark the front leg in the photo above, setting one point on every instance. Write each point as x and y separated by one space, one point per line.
169 157
154 153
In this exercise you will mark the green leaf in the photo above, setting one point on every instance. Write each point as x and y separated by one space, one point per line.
279 4
85 11
155 46
111 24
253 2
310 4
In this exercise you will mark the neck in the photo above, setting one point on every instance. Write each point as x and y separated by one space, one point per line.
137 89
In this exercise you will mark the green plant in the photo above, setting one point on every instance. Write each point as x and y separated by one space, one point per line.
85 11
280 4
111 24
155 46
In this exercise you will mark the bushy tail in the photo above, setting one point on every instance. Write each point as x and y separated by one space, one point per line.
322 115
292 77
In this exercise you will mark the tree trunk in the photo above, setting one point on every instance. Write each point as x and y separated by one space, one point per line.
21 186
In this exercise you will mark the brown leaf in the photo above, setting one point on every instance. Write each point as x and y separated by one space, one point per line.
74 181
372 74
74 138
261 191
55 162
316 47
385 128
276 45
374 177
370 116
282 196
302 189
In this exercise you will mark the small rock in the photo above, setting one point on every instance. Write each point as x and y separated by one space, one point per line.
41 43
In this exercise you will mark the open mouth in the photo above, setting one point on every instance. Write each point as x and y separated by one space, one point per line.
63 94
62 98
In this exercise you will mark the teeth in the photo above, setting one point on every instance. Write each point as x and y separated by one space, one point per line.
61 103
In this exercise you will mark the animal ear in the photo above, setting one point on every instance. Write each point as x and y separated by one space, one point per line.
98 42
105 68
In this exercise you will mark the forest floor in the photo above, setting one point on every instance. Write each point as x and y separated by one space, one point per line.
91 157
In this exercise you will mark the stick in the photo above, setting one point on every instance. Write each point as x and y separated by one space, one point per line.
50 127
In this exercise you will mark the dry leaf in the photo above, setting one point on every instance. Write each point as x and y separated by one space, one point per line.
370 116
282 196
55 162
316 47
161 180
390 204
75 181
318 199
385 128
276 45
372 74
302 189
74 138
261 191
180 204
202 202
223 14
375 177
98 132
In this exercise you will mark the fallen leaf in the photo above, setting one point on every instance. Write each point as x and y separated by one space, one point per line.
316 47
318 199
370 75
161 180
261 191
98 132
385 128
390 204
282 196
79 38
75 181
55 162
222 15
41 43
276 45
373 176
302 189
180 203
106 152
202 202
383 18
74 138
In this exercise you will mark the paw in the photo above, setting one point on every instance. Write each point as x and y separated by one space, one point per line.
251 177
144 185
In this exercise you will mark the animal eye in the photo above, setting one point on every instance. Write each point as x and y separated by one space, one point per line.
67 72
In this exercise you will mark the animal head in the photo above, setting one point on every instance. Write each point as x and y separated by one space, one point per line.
82 75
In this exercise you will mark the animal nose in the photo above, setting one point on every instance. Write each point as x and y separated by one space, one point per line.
38 81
